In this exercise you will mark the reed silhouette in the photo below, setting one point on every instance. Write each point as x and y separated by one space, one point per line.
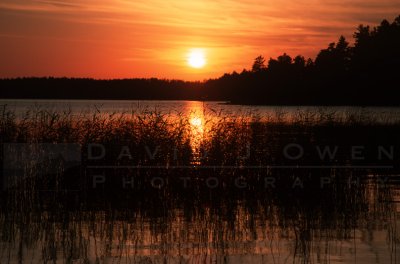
148 187
60 216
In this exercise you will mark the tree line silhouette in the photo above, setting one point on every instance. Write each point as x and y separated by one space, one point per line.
365 73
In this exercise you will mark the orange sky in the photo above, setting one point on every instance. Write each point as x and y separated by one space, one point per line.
151 38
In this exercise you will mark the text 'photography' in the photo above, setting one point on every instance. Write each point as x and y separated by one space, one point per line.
199 131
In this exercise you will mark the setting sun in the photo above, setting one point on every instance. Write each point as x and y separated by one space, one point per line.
196 59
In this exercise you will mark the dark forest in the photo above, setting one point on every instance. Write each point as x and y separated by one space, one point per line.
365 73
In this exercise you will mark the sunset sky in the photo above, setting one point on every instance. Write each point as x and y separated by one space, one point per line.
153 38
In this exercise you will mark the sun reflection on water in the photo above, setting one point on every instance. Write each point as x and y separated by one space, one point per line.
196 122
196 118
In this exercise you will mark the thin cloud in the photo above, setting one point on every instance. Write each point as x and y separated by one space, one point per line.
144 31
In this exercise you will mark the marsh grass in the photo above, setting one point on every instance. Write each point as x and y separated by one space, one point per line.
59 217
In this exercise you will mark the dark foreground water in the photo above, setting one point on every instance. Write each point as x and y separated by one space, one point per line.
194 182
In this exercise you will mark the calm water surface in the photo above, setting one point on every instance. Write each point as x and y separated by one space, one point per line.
340 224
88 107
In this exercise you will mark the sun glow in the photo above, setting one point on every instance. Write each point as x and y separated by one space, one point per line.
196 59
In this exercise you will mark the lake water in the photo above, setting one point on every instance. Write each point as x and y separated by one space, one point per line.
222 208
212 109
